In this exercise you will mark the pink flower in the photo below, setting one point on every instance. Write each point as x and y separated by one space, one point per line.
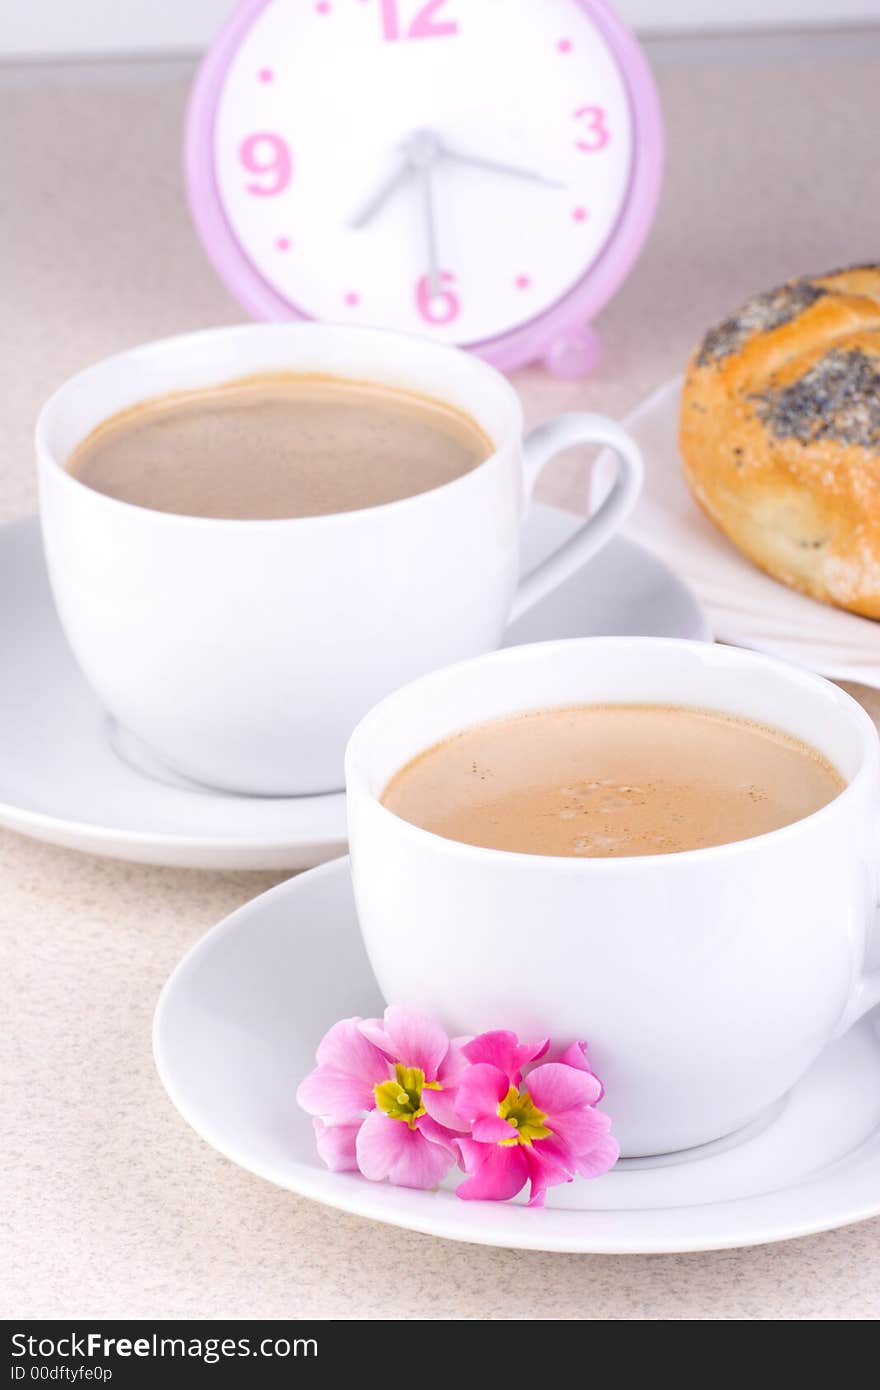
505 1051
543 1130
382 1097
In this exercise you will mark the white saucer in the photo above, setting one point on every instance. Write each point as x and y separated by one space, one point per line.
68 776
236 1029
745 606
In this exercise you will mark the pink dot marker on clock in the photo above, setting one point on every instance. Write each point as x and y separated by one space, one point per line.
565 45
523 282
283 243
352 299
579 215
323 7
265 75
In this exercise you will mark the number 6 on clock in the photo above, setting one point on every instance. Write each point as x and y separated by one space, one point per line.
441 308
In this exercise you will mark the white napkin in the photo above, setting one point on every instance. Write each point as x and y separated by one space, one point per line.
744 605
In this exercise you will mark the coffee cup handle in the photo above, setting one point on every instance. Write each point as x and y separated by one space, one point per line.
865 995
543 444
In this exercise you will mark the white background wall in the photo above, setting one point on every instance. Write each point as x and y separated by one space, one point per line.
33 28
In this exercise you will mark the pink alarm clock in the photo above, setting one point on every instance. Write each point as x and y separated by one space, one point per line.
483 172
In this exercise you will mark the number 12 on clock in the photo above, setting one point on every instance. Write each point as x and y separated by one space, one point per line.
426 23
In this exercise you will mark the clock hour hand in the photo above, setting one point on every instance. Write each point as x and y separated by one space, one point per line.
375 203
420 151
499 167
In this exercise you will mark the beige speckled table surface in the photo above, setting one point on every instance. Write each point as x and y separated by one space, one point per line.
113 1206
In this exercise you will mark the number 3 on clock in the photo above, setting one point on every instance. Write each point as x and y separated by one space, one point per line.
596 134
424 25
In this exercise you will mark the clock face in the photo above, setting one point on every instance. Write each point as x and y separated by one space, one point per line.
451 167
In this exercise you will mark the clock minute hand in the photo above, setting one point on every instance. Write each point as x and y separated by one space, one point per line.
424 150
500 167
427 185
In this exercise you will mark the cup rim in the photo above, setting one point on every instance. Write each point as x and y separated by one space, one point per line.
56 402
356 776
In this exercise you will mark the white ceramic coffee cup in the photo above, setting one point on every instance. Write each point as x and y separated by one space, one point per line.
244 652
705 982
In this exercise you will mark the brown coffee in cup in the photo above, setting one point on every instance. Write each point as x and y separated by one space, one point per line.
601 781
277 446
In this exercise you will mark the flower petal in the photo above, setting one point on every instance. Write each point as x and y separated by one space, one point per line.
491 1129
498 1049
480 1091
380 1145
373 1030
555 1087
411 1038
545 1170
440 1105
346 1049
388 1148
336 1095
496 1174
438 1134
419 1041
423 1164
533 1052
336 1145
576 1056
599 1160
587 1165
581 1130
503 1049
454 1063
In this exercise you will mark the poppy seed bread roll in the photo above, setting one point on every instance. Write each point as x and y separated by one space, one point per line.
780 434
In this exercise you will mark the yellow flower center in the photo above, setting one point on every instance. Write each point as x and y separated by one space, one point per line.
524 1117
401 1099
